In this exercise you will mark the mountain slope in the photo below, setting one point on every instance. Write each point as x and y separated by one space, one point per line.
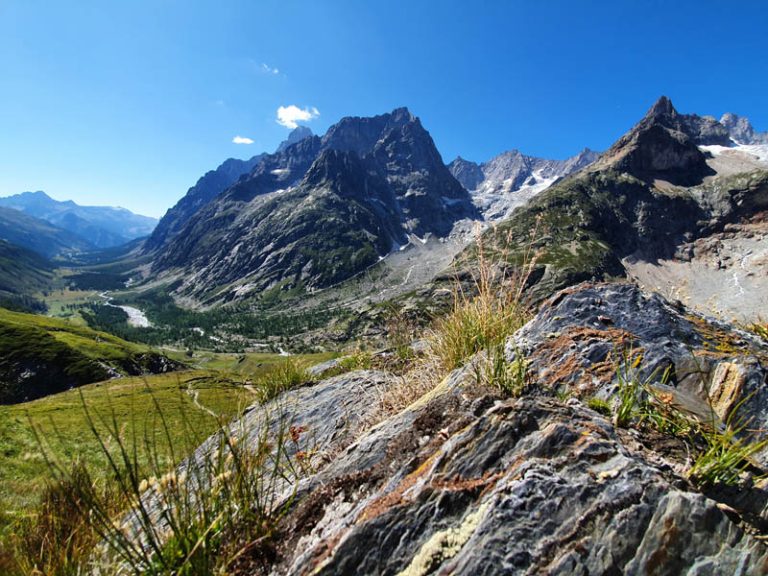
208 187
22 274
39 235
100 226
655 190
42 356
320 210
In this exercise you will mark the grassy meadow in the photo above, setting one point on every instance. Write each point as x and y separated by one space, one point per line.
192 402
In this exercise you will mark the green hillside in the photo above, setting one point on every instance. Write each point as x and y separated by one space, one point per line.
22 273
42 356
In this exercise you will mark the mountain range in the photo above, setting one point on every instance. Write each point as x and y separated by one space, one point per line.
98 226
39 235
592 418
663 205
510 179
319 210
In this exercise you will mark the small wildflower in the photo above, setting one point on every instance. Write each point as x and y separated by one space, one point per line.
296 432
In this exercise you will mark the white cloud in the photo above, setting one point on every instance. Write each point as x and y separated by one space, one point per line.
267 69
290 116
241 140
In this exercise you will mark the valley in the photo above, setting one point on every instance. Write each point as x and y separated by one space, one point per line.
348 338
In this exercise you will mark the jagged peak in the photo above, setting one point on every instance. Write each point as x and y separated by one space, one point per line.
662 107
296 135
402 114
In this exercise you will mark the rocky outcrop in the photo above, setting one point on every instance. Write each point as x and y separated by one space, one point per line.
465 481
575 344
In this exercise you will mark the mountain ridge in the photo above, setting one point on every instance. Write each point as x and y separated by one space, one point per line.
100 226
208 187
650 194
407 189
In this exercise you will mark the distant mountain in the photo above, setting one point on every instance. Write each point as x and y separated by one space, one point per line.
296 135
511 179
741 131
208 187
100 226
39 235
320 210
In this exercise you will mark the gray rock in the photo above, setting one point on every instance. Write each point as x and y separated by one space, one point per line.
465 482
528 486
578 339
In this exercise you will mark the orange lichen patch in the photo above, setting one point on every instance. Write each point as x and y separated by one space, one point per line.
326 550
486 481
396 497
563 360
720 343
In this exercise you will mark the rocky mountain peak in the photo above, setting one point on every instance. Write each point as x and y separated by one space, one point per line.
361 134
468 173
662 107
664 146
296 135
741 130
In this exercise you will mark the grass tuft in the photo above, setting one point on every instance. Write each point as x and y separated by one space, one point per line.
509 377
285 375
486 313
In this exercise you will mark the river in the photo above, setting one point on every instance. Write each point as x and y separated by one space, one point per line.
136 317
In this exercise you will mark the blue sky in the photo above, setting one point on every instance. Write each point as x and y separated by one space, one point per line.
128 103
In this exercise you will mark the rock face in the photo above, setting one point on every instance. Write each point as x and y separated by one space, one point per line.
664 145
320 210
577 335
511 179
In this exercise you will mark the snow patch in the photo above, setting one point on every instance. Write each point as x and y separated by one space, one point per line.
756 151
